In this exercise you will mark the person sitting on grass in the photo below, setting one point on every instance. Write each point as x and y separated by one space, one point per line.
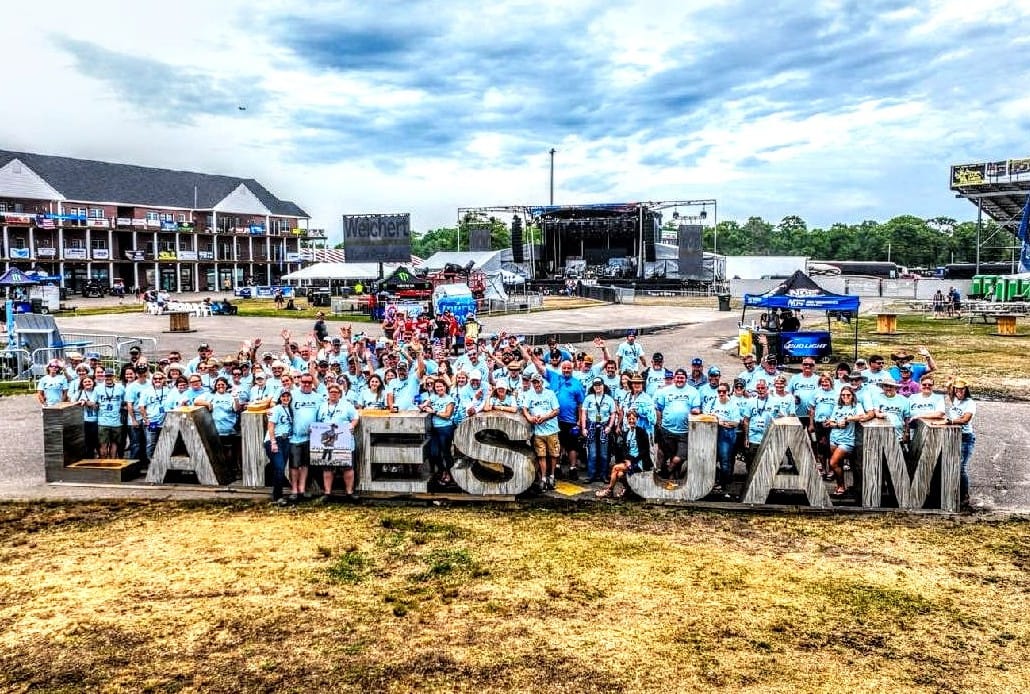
634 455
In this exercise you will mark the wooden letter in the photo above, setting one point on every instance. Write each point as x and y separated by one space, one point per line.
700 467
786 434
193 427
497 466
931 444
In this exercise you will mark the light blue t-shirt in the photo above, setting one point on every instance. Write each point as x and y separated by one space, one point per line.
628 355
110 400
897 409
223 411
153 400
53 388
598 410
845 436
675 404
803 388
439 404
921 406
726 411
305 413
540 404
824 401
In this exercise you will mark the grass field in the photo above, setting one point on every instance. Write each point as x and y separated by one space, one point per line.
179 597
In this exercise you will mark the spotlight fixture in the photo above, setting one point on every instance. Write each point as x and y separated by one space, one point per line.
704 213
675 214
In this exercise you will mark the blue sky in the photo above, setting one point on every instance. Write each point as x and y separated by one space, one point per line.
835 111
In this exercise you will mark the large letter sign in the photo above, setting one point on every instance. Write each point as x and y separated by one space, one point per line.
931 444
786 434
509 467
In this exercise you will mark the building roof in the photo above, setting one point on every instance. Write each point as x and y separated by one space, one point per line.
87 180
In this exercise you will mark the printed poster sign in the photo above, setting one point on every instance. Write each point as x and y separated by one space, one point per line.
331 444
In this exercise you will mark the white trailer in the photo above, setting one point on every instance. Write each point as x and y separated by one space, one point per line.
757 267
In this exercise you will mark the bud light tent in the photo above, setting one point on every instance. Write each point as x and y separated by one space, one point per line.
799 293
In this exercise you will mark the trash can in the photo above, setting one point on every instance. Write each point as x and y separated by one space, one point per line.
724 302
37 306
320 297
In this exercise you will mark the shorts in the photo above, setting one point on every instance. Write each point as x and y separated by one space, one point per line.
300 455
673 445
846 447
546 446
634 467
107 434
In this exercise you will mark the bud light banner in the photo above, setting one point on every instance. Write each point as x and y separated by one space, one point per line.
808 344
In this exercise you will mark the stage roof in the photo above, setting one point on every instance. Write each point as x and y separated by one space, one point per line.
1000 187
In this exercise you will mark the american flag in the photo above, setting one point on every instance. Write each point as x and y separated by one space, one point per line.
336 255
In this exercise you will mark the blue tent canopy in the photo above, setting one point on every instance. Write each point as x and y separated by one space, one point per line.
799 292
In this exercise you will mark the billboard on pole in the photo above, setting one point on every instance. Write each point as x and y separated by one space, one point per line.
371 238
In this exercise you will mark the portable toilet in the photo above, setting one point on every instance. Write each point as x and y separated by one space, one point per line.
1011 289
999 289
976 287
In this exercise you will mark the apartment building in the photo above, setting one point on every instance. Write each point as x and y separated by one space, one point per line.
79 219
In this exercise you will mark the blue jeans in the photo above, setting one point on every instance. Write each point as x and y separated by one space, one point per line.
440 440
278 459
726 444
968 442
138 444
152 436
597 454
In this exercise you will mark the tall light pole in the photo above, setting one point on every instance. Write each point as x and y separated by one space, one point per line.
553 150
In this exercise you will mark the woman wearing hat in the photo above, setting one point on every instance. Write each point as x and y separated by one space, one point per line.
501 400
961 409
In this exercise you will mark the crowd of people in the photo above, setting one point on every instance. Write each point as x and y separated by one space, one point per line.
596 414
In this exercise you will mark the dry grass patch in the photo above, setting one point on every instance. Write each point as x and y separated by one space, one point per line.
177 597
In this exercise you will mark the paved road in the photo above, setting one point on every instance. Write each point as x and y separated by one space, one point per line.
1001 465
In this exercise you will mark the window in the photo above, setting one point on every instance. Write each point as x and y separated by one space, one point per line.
96 213
98 244
181 217
185 245
152 216
167 217
75 243
168 246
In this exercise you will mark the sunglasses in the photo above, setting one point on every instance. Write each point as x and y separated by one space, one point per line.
722 390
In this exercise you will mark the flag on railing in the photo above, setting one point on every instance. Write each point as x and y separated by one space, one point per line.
1024 238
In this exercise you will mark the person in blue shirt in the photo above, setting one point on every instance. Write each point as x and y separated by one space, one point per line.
597 418
277 443
821 406
305 411
111 402
634 454
540 407
569 391
501 400
961 410
803 386
341 413
152 405
842 433
441 433
895 408
657 376
87 400
630 353
673 406
757 418
225 408
728 418
53 387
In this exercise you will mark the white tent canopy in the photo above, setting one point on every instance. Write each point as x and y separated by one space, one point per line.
488 262
341 271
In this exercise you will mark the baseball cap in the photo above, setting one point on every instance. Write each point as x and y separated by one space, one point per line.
597 382
135 349
658 356
681 371
536 377
697 361
714 371
92 355
108 372
323 362
475 375
631 332
856 376
336 341
203 346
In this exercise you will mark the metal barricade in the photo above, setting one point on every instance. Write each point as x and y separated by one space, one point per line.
15 365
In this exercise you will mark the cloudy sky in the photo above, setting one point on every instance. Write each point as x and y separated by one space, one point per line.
834 110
